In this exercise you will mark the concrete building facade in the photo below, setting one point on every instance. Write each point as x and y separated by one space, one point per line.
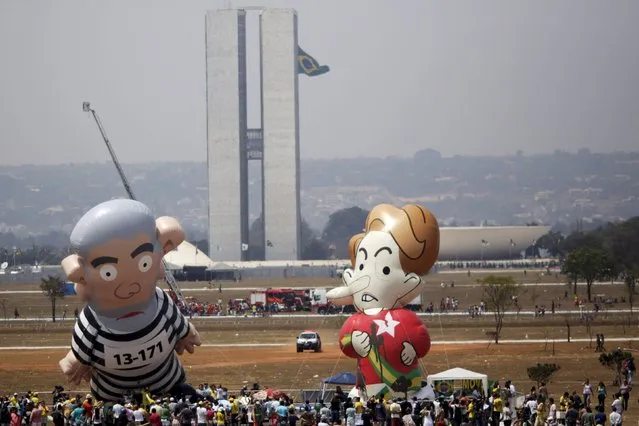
227 133
280 130
231 144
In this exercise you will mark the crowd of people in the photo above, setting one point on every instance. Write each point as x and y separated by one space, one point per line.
216 406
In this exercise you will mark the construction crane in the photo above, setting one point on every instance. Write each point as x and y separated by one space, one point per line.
168 276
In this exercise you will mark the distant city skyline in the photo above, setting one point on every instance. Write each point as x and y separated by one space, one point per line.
481 78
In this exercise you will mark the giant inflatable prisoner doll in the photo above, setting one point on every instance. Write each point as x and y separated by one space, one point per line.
127 336
398 247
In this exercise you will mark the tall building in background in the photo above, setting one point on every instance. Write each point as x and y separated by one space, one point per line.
280 134
227 134
276 143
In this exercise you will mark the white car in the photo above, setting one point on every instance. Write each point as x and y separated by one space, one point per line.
309 340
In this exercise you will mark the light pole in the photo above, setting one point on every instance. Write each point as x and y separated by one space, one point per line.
14 255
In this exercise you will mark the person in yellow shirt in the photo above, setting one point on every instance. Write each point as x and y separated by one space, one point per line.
235 410
540 420
359 407
563 402
470 410
220 417
498 407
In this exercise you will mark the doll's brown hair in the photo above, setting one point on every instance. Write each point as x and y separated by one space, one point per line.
414 229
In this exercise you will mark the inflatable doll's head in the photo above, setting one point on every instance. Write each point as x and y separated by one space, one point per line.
119 246
397 248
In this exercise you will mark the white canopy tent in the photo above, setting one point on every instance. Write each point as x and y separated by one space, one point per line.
459 378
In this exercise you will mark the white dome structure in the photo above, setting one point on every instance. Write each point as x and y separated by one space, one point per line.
187 255
489 242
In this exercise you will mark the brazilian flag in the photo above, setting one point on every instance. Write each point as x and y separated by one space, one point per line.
308 65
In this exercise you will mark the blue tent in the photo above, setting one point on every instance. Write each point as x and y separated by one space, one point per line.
341 379
69 289
338 379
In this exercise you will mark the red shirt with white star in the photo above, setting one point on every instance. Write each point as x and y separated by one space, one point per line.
388 331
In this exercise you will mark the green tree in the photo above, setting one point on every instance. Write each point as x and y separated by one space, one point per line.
615 361
53 288
315 249
552 242
589 264
341 226
581 239
624 250
311 245
542 372
499 293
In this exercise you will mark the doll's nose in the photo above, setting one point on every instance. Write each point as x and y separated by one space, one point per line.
360 284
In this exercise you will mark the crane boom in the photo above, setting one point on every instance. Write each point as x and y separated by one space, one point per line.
168 276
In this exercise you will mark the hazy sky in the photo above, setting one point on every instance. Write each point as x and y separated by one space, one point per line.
480 77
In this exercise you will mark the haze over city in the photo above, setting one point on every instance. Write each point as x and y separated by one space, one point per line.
484 78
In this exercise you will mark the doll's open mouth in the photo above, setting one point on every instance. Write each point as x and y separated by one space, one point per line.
369 298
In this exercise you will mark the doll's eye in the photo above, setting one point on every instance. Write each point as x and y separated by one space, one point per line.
386 270
361 266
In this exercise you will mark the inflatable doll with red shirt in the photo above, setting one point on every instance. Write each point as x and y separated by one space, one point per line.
398 247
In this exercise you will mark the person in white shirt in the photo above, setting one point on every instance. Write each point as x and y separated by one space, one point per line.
201 413
617 404
395 410
138 416
615 418
587 393
117 410
172 405
427 416
438 408
552 412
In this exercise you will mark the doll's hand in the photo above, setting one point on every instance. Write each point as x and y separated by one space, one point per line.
189 342
361 342
408 354
74 369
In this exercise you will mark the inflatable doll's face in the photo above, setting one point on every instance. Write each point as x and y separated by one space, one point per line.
377 281
123 272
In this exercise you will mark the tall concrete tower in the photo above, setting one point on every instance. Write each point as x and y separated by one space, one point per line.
280 128
227 133
231 144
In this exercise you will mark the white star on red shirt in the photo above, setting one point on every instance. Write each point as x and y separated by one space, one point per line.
387 325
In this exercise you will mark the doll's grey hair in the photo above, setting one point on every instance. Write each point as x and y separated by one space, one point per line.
119 218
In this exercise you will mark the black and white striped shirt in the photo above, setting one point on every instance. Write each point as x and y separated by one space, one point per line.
123 361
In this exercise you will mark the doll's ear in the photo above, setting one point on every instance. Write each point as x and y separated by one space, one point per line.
73 267
169 233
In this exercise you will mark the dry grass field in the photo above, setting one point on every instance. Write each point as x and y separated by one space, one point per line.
282 367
